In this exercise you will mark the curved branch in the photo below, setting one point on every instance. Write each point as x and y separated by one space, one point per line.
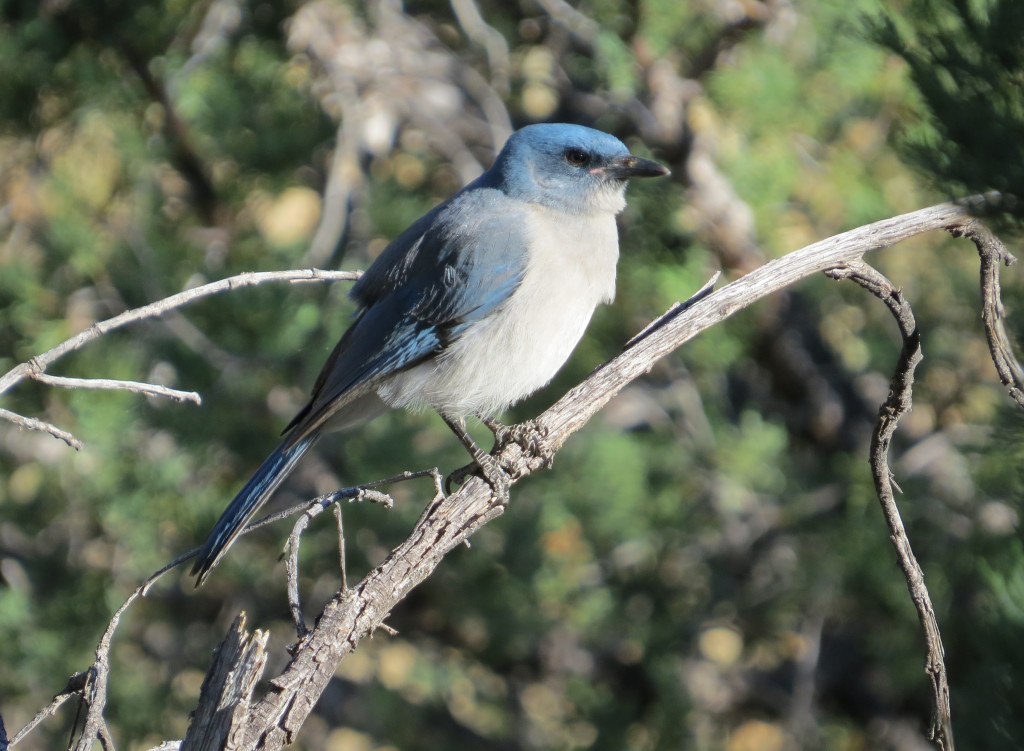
994 254
892 410
31 423
36 367
448 521
573 410
90 684
352 614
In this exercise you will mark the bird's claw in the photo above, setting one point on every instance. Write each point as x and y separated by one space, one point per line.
530 436
491 470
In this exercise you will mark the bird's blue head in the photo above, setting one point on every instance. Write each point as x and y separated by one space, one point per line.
572 168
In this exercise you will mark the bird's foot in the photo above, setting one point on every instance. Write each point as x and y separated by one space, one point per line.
490 467
491 470
530 436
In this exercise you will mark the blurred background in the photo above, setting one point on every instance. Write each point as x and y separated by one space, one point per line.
706 567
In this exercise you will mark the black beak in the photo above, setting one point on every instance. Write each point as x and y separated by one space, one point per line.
625 167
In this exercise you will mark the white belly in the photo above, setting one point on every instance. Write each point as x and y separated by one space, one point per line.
519 348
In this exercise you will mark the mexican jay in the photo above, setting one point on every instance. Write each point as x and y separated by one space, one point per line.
475 306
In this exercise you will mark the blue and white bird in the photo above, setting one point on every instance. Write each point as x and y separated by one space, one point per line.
474 307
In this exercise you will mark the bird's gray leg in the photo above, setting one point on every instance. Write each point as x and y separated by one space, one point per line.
530 436
492 471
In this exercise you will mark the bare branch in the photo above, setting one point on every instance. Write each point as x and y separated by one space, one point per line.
31 423
448 521
149 389
237 665
292 566
73 688
574 409
247 279
36 367
897 405
993 253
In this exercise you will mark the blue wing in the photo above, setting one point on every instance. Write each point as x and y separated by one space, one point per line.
450 269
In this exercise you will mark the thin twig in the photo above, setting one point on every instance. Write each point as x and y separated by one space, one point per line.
675 309
994 254
313 510
73 688
291 565
448 521
138 387
343 569
898 404
325 500
31 423
37 366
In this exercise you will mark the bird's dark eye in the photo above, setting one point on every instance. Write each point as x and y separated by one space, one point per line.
576 157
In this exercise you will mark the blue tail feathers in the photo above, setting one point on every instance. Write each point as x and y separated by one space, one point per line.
268 477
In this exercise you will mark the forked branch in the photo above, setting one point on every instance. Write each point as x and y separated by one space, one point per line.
898 403
275 718
36 367
352 615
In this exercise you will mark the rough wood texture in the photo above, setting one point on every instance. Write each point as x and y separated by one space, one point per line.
898 404
351 615
228 718
238 663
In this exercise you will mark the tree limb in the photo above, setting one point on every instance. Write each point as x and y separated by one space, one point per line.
238 663
31 423
74 687
275 718
35 368
898 404
993 254
351 615
110 384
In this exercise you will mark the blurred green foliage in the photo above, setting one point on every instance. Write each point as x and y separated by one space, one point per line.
966 60
706 566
